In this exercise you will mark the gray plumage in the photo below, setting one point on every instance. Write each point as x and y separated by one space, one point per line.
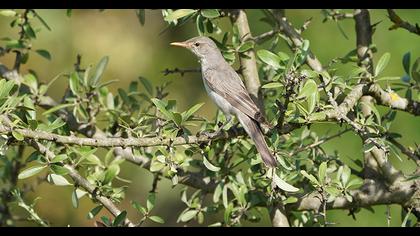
227 90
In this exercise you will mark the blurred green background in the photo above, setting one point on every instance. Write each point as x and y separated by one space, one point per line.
136 50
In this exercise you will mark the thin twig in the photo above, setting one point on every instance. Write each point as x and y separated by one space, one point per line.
180 71
84 183
318 143
400 23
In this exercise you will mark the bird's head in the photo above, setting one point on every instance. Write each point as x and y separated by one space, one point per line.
201 46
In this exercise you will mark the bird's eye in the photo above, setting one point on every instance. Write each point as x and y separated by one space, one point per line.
197 44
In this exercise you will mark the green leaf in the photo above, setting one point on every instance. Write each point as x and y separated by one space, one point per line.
139 208
332 191
199 21
7 13
322 172
6 87
179 14
354 183
191 111
290 200
225 196
35 156
217 193
246 46
310 177
415 71
151 200
368 147
156 165
269 58
188 215
309 74
15 44
92 213
283 184
110 173
56 108
141 16
157 219
210 13
407 215
57 180
44 53
147 85
308 89
177 118
162 108
74 199
100 68
382 63
74 83
31 81
283 56
272 85
210 166
18 136
345 176
30 172
29 31
119 219
388 78
60 170
406 62
59 158
310 92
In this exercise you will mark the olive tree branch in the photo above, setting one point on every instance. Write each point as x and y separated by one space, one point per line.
371 193
77 178
400 23
115 142
297 40
81 181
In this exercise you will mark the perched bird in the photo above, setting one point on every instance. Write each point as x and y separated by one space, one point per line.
227 90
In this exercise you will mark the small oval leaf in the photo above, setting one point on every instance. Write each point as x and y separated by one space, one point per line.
30 172
382 63
283 184
210 166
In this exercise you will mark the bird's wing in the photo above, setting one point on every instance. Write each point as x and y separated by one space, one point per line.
229 85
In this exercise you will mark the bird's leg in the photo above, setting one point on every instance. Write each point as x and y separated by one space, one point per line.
219 130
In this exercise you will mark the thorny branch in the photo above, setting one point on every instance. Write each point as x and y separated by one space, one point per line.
400 23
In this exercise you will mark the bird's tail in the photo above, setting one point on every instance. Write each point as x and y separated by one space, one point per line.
254 131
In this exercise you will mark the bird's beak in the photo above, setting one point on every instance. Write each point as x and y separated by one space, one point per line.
180 44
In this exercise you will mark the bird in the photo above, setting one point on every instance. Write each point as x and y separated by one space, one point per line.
226 89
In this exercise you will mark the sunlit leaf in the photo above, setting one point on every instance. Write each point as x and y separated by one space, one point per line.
179 14
28 172
210 13
283 184
210 166
188 215
269 58
382 63
100 68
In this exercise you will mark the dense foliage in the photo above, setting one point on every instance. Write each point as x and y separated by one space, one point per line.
222 175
